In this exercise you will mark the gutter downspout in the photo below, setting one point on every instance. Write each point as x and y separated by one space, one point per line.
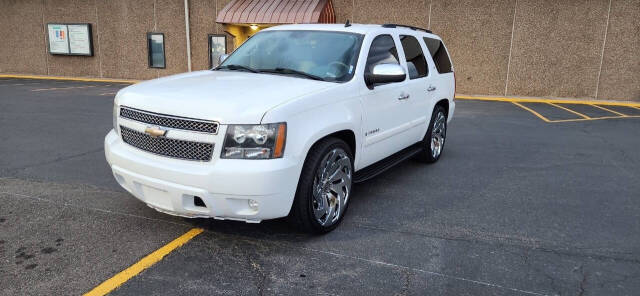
186 24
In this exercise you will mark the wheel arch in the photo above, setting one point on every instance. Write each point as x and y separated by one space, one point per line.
445 104
346 135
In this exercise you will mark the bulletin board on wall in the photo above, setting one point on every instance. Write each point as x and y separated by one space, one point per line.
70 39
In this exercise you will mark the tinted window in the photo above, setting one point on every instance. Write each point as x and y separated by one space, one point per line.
331 56
439 54
416 63
383 51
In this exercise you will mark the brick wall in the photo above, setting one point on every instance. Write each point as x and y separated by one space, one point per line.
544 48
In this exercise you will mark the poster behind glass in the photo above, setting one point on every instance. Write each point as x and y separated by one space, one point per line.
58 39
70 39
80 39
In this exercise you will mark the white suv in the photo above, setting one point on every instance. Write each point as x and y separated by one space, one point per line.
285 124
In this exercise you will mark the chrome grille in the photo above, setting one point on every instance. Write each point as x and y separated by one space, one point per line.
182 123
167 147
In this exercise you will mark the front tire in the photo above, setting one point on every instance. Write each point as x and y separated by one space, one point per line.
324 187
433 141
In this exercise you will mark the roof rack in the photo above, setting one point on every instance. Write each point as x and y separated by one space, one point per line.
406 26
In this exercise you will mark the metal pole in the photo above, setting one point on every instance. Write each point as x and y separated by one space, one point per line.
186 24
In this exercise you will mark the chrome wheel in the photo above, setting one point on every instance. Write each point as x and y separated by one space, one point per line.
438 134
331 187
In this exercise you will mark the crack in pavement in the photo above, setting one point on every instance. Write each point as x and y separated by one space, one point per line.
59 159
583 282
567 252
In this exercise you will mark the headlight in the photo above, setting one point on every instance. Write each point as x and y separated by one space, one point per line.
263 141
115 118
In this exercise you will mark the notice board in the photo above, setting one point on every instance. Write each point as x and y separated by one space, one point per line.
70 39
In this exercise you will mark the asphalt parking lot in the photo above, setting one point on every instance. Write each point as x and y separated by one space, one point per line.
527 199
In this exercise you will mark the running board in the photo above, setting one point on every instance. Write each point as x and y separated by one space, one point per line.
385 164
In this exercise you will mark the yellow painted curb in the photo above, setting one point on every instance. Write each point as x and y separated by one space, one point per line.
69 78
133 270
556 101
459 97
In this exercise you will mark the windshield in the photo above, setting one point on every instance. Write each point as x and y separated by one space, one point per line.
321 55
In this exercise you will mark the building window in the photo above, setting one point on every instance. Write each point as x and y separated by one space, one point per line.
155 42
416 62
217 47
439 54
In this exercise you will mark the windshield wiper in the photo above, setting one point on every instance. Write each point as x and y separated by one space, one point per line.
280 70
238 67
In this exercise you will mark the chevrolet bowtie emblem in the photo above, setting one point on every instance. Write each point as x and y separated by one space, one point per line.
155 131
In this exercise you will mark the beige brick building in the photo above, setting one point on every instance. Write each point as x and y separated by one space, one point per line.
554 48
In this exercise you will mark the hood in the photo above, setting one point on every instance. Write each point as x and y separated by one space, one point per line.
229 97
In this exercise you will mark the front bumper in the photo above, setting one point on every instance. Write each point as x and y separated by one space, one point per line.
225 185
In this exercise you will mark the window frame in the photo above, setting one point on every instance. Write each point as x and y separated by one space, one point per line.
164 52
366 62
426 62
400 55
435 63
209 42
90 33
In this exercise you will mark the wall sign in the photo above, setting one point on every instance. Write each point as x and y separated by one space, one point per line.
217 47
70 39
155 45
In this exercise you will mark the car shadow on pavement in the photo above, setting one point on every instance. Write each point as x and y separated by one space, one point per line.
282 231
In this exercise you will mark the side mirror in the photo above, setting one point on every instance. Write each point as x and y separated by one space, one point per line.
385 73
222 58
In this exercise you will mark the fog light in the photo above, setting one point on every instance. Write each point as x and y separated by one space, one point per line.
253 204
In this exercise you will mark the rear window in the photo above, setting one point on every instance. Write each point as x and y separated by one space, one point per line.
439 55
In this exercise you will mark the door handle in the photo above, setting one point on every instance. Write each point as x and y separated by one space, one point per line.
431 88
403 97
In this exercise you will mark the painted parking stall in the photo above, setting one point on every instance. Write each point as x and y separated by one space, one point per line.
557 111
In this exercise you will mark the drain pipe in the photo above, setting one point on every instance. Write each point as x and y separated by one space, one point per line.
186 24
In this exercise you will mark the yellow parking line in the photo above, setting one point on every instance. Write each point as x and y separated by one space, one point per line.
609 110
567 109
596 118
532 111
557 101
129 81
63 88
120 278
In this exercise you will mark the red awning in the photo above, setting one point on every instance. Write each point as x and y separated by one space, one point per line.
277 12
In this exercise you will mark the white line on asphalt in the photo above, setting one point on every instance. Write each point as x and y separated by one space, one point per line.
92 209
423 271
377 262
64 88
16 84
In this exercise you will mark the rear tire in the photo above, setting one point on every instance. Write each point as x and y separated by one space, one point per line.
324 187
433 141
